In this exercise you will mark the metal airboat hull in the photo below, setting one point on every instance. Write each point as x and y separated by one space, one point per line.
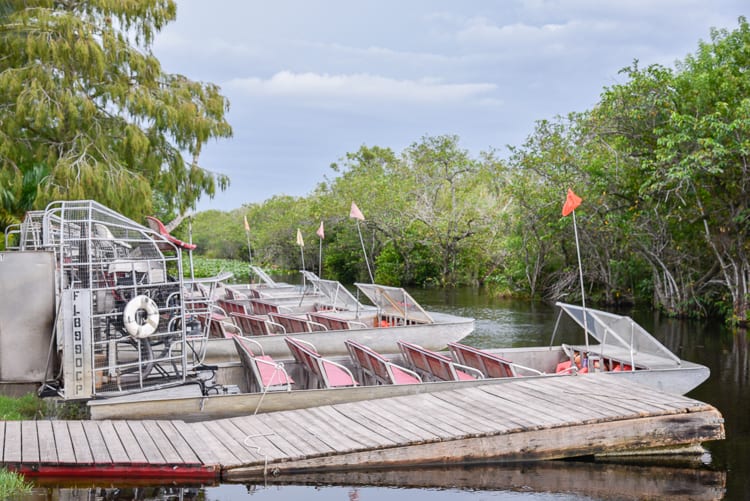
436 336
615 345
188 404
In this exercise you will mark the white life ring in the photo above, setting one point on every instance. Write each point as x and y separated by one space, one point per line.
141 317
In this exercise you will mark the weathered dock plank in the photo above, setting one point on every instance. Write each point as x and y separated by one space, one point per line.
97 445
195 441
252 445
387 414
185 454
353 428
80 443
375 425
506 415
451 408
150 450
63 443
430 423
306 443
259 435
114 445
214 448
47 447
320 430
129 442
12 449
29 442
162 443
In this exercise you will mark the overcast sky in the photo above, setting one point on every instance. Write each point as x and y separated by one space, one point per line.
309 81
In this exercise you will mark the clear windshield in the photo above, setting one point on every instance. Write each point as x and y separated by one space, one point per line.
616 330
395 301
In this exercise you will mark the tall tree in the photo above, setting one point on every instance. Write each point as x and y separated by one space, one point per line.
451 197
85 101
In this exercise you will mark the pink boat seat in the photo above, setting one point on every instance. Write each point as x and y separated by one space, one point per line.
328 373
266 373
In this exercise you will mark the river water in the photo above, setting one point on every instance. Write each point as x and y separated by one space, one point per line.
722 473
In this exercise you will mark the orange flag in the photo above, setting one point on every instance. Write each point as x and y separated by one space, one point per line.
321 232
356 213
571 202
247 226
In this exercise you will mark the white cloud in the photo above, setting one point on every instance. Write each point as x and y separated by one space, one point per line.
359 87
482 31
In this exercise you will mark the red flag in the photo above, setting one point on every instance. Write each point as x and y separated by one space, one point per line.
356 213
247 226
321 232
571 202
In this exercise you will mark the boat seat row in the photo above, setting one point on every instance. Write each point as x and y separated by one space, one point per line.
334 323
245 293
263 372
257 325
435 366
468 363
233 305
489 364
295 323
375 366
261 307
329 374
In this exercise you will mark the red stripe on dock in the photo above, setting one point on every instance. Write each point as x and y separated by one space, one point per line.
197 473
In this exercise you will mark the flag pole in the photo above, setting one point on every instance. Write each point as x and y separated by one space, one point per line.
358 216
572 201
301 244
249 250
367 261
580 276
321 235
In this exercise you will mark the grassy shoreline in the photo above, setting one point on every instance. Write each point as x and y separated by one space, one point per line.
12 484
29 406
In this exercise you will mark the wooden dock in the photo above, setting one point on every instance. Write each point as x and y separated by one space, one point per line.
527 420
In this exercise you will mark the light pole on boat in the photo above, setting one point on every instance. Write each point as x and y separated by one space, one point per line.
571 202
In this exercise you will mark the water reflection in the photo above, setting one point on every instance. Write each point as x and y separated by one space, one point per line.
533 481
